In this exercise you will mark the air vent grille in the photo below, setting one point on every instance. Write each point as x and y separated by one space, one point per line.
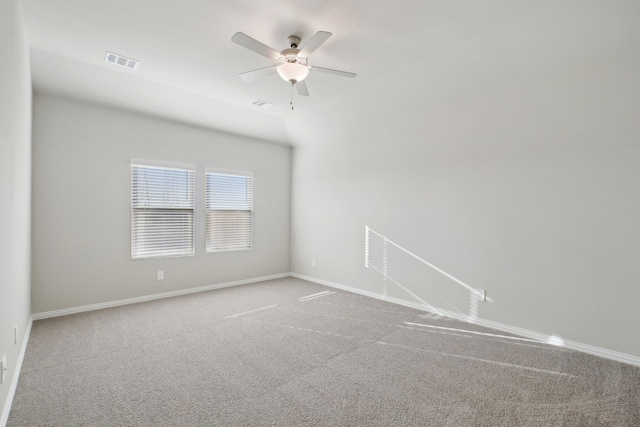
262 104
122 61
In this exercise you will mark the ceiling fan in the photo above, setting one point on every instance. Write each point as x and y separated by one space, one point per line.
292 64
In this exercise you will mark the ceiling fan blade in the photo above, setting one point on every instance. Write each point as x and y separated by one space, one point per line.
314 43
250 76
335 72
301 87
252 44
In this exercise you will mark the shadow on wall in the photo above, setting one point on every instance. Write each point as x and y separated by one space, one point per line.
438 291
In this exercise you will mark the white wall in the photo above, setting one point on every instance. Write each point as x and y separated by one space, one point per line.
15 186
528 189
81 205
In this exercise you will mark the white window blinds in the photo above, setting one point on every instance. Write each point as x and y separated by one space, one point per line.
162 211
229 211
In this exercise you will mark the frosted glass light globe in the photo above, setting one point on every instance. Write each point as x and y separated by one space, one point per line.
293 72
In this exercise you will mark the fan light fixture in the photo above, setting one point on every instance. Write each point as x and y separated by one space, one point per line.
291 64
293 72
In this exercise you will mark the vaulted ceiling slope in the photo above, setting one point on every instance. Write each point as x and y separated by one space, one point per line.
409 54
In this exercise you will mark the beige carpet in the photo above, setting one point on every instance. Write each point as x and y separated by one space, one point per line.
264 355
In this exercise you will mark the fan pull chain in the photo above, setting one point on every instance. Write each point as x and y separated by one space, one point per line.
291 99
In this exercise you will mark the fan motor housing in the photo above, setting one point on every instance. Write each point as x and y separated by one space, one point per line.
290 55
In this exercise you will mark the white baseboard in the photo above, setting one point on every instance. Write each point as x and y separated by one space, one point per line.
91 307
573 345
4 417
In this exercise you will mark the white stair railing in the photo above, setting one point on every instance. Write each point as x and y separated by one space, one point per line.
474 295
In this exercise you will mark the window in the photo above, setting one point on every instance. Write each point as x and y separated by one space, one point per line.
162 211
229 211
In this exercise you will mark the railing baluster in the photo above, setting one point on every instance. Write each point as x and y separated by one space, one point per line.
366 246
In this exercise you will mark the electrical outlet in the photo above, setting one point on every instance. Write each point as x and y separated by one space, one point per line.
15 334
481 294
160 274
3 368
313 263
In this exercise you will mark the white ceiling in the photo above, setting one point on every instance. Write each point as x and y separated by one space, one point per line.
409 54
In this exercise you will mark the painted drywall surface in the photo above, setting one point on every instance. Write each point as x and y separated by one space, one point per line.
81 204
529 190
15 185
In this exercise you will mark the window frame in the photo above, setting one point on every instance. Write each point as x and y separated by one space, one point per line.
250 195
190 194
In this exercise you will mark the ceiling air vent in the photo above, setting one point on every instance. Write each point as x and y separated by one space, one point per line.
262 104
123 61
